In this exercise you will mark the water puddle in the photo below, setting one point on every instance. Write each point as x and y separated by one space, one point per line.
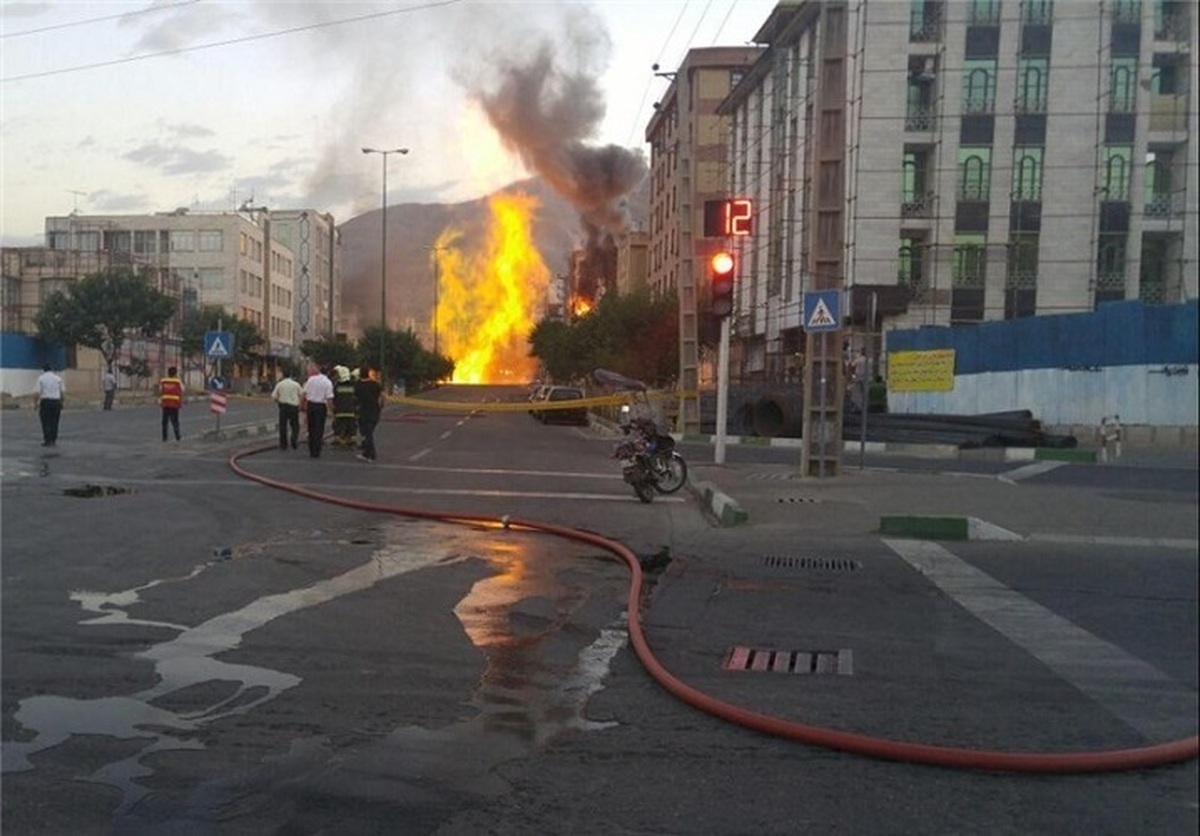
537 679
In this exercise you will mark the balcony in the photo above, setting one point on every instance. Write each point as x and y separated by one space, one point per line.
1165 205
917 205
920 118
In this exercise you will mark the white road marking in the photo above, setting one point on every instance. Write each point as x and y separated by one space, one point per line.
1029 470
1125 542
1137 693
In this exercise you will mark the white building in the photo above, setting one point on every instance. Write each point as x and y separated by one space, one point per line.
953 162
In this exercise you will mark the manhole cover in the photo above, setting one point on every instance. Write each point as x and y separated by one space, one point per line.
829 564
742 658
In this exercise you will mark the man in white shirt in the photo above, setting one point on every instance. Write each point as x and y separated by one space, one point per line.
317 395
109 384
287 394
50 391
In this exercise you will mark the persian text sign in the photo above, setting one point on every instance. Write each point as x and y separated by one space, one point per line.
921 371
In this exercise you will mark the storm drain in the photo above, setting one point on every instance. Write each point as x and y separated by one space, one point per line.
830 564
90 491
796 500
790 661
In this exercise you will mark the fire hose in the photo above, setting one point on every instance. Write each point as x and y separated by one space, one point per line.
1111 760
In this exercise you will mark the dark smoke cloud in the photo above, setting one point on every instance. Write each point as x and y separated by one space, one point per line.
545 113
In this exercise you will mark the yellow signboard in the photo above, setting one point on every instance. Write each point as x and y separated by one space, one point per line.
921 371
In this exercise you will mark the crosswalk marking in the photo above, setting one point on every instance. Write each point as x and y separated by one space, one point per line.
1137 693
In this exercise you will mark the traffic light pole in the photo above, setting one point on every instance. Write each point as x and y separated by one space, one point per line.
722 392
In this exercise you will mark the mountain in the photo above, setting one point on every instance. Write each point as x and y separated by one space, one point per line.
412 228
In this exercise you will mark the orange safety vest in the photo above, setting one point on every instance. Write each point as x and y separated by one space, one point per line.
170 393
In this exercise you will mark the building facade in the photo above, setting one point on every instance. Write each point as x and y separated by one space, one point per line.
1021 158
689 165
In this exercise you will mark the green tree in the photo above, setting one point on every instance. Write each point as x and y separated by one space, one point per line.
247 339
636 334
404 357
100 310
336 352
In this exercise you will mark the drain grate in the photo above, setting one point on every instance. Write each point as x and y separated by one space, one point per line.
796 500
743 658
829 564
90 491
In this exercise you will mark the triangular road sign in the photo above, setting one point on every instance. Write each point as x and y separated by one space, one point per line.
217 349
820 317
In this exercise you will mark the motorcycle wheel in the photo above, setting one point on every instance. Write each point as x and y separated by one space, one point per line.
671 473
644 491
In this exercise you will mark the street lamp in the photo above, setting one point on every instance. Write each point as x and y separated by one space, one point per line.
383 261
436 279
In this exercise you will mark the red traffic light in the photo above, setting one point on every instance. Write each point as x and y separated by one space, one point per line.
721 267
721 264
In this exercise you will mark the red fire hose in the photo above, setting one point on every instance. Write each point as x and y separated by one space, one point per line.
1111 760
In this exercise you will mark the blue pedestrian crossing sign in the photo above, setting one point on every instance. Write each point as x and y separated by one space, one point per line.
822 310
218 345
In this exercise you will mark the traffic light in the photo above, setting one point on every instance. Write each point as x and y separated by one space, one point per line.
721 268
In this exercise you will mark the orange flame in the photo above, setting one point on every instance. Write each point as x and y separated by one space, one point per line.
580 306
489 300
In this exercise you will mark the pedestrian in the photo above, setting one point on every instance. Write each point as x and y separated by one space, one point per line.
109 384
170 398
50 391
318 392
369 394
344 418
287 394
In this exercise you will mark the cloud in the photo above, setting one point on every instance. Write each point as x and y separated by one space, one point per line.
115 203
173 159
181 27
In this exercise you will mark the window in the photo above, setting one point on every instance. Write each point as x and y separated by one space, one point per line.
984 12
143 241
909 267
1032 84
915 193
1158 187
1127 11
1110 267
970 260
1037 12
1020 284
183 241
1122 85
974 173
1027 173
925 20
969 278
1118 162
211 278
211 241
979 85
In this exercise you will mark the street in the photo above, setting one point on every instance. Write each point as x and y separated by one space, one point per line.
189 651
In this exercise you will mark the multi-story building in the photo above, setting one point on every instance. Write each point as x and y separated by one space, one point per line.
315 242
954 162
279 270
688 165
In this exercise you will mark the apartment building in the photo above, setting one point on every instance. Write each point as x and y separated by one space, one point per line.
316 247
955 162
688 165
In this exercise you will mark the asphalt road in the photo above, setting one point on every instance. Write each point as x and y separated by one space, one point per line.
186 651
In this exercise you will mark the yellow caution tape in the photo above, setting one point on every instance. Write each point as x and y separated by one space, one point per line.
527 406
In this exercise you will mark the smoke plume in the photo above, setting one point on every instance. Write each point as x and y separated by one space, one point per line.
546 112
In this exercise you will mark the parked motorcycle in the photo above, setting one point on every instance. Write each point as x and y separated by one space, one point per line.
649 461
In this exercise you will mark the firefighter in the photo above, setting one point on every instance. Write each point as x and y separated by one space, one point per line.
345 413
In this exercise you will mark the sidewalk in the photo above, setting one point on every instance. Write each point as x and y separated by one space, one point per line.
937 505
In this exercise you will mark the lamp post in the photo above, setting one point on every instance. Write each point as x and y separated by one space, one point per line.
383 153
436 279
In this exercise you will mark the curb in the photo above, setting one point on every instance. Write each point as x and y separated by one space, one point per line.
723 507
943 528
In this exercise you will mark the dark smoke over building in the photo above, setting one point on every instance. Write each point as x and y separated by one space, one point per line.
545 114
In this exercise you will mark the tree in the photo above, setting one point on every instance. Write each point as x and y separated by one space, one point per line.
336 352
405 358
636 334
101 309
247 339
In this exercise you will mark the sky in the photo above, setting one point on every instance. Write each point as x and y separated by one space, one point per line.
142 107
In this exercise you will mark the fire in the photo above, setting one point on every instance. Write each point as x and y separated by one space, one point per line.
489 300
580 306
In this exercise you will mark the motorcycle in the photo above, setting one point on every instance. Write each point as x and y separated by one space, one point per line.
650 463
